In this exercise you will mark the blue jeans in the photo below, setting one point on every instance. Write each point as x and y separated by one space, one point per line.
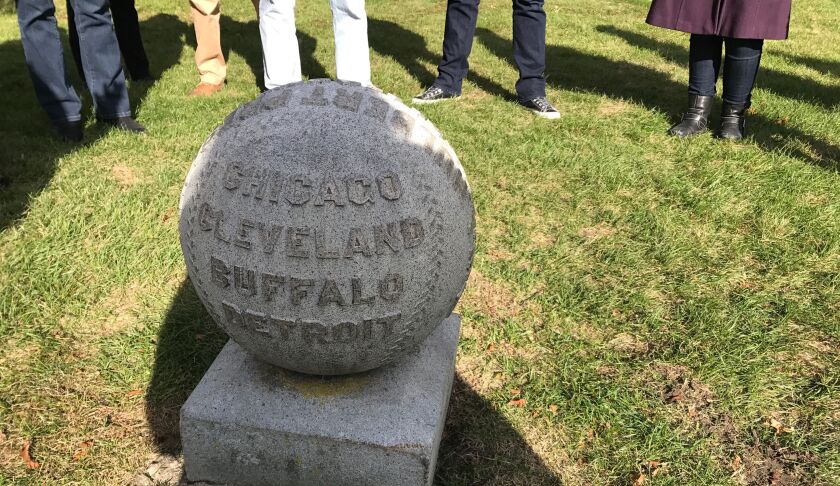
100 59
740 66
528 46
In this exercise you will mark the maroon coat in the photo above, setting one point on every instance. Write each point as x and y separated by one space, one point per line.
742 19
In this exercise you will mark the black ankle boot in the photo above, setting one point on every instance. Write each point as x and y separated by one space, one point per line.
732 125
125 123
69 131
696 118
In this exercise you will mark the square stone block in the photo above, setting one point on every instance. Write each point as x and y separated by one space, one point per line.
250 423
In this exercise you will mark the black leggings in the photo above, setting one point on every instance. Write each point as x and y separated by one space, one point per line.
739 68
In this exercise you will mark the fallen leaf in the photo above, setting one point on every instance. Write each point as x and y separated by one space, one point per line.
83 450
27 459
656 468
135 392
779 426
641 480
517 403
490 348
552 409
736 463
515 391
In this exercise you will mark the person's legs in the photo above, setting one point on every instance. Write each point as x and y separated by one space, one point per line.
73 37
44 58
703 68
703 64
740 68
101 59
281 54
208 51
529 48
352 54
127 28
461 17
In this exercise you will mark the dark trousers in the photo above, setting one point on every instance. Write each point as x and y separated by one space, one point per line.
740 66
100 59
127 28
528 46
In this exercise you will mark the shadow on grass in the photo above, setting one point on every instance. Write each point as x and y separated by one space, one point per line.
479 445
409 49
783 84
29 152
575 70
826 67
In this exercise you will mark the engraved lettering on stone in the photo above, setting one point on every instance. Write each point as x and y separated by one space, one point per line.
299 192
330 294
357 293
276 99
206 217
316 97
299 289
269 236
219 272
376 108
391 287
272 285
412 231
321 249
331 191
358 190
256 321
402 122
387 236
296 239
243 236
357 243
348 100
245 281
389 186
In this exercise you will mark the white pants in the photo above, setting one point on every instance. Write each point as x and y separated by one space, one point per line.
281 55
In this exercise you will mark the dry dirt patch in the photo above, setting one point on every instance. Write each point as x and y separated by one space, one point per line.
753 462
600 230
124 175
491 299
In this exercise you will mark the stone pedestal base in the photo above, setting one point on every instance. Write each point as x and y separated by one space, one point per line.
249 423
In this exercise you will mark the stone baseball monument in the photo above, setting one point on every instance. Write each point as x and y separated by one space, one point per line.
329 230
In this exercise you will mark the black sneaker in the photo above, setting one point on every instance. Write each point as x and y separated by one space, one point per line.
69 131
432 95
542 108
124 123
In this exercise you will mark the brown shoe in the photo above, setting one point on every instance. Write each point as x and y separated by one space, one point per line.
206 89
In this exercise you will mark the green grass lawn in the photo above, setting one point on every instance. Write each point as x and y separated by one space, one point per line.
639 305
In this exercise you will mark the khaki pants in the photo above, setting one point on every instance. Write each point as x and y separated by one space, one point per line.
208 52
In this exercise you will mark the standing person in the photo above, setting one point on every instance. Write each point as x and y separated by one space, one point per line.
100 59
742 25
281 56
208 51
127 28
528 53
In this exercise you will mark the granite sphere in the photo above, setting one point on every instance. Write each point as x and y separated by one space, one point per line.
327 227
